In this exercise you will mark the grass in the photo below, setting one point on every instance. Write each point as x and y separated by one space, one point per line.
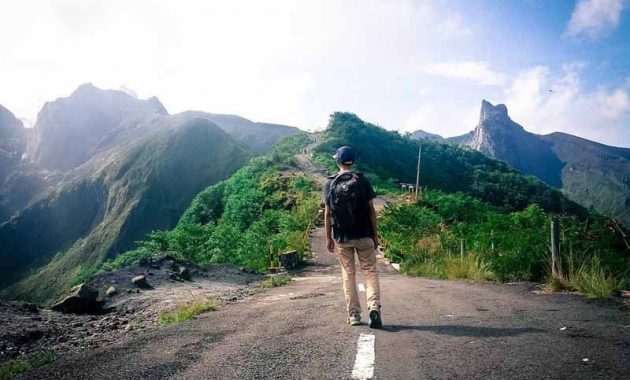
16 366
469 267
187 312
274 281
594 281
589 279
426 269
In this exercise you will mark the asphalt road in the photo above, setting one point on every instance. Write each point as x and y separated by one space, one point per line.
433 329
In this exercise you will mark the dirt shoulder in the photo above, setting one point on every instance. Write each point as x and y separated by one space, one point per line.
127 311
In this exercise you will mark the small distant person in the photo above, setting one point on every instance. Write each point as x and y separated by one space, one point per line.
350 222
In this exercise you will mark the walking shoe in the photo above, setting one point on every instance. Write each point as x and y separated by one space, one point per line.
354 319
375 319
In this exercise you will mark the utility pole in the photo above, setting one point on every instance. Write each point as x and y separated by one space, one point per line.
418 171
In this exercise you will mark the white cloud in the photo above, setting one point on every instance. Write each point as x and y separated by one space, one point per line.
454 25
593 18
544 103
476 71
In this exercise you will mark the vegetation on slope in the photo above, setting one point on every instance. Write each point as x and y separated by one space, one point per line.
509 246
265 204
187 312
392 158
502 216
131 191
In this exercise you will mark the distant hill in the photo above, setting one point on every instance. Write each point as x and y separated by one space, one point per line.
259 137
592 174
444 167
420 134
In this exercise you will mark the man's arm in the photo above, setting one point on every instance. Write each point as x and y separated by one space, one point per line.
330 243
373 222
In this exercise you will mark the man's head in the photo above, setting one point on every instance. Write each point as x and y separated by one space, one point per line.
344 157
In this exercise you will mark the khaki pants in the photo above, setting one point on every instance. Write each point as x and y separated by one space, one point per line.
367 260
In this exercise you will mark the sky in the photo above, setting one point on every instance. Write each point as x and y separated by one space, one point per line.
403 64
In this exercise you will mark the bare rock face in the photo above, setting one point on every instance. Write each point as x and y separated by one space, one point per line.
81 300
592 174
12 142
69 130
499 137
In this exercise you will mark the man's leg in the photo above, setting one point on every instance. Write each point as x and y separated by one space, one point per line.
346 259
367 260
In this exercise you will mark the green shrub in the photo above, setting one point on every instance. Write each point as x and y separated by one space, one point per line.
508 246
126 259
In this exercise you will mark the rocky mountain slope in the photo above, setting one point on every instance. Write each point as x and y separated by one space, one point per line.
12 142
69 130
497 136
112 201
592 174
101 170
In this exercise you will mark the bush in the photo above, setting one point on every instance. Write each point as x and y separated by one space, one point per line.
508 246
470 267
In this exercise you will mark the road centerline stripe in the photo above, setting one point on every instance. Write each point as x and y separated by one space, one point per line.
364 362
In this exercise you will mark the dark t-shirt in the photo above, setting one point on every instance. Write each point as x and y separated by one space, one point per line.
364 226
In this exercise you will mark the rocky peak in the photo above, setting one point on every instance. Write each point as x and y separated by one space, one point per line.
494 129
12 142
9 124
68 130
490 112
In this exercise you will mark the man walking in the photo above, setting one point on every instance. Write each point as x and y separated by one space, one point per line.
350 221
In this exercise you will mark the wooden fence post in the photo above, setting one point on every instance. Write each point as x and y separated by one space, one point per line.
556 270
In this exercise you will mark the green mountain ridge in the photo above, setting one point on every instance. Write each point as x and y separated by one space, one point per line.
589 173
104 210
444 167
100 170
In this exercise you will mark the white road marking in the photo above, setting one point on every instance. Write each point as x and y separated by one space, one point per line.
396 266
361 287
364 363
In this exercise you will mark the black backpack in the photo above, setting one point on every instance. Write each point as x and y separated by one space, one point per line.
348 201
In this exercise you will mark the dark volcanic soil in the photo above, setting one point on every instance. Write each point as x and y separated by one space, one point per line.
27 329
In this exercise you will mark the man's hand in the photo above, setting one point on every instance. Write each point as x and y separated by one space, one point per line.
330 244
